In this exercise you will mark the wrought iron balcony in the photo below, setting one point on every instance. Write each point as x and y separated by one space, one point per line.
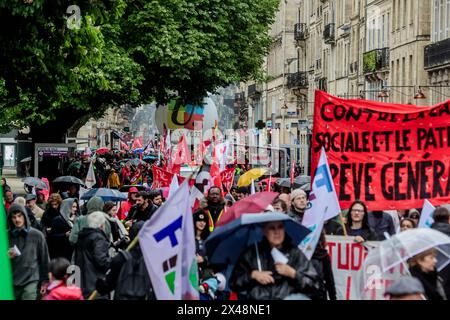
300 31
329 33
254 90
297 80
437 54
376 60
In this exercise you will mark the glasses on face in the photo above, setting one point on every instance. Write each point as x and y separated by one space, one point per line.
357 210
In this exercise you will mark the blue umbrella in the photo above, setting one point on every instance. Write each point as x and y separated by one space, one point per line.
105 194
226 243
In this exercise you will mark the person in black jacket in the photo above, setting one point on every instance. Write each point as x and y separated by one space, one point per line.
52 211
128 275
322 263
357 224
60 228
91 252
423 267
142 210
381 222
261 278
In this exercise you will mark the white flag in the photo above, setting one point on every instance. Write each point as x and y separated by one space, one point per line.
194 196
323 205
426 217
90 178
173 185
168 247
252 187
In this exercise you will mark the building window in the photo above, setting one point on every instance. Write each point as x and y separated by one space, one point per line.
440 20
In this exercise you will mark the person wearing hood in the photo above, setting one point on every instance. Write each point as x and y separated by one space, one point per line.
58 238
261 278
91 252
125 206
54 203
299 200
128 275
28 254
94 204
33 221
113 180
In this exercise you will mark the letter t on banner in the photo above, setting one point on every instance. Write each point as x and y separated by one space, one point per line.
323 205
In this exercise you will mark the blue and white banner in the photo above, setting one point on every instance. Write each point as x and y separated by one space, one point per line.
323 205
426 217
168 245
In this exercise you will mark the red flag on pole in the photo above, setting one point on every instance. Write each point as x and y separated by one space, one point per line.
137 143
292 172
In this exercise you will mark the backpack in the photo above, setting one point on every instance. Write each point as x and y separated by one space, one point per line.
134 282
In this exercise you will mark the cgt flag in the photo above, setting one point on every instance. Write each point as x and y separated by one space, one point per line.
426 218
168 247
323 205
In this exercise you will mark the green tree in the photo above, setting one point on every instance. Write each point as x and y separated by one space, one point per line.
125 52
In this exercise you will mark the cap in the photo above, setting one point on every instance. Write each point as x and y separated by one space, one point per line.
30 197
133 190
405 286
200 216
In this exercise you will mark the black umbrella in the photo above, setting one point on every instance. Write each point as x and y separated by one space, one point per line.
68 179
35 182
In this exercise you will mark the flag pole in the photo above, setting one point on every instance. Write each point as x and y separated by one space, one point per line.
341 220
129 248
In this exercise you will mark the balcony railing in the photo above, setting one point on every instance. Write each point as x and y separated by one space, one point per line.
253 90
437 54
297 80
376 60
329 33
300 31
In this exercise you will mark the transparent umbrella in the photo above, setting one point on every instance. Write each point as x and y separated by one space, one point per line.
388 261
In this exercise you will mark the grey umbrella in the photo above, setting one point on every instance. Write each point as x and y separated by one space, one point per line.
68 179
301 180
284 182
35 182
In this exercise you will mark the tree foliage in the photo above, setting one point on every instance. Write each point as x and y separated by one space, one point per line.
125 52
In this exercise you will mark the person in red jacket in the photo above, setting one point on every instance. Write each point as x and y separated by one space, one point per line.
58 288
125 206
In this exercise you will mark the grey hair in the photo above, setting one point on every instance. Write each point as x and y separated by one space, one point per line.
96 220
21 201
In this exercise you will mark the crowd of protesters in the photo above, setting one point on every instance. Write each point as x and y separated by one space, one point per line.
49 235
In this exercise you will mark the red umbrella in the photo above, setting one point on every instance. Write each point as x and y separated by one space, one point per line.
255 203
266 181
102 150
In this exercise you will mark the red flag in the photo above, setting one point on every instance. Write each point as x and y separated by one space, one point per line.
292 172
194 198
182 154
137 143
137 175
227 178
161 178
124 146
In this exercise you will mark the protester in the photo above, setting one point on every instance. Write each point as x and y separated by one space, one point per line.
322 264
229 201
241 193
331 227
54 203
381 222
142 210
118 232
274 280
33 221
423 267
5 186
441 217
113 180
40 201
279 205
406 288
414 215
299 201
31 204
91 252
201 233
287 199
72 192
156 198
61 226
58 288
215 208
128 275
28 253
357 223
125 206
407 224
233 191
8 198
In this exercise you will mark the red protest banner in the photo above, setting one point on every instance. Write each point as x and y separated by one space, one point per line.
390 156
161 178
227 178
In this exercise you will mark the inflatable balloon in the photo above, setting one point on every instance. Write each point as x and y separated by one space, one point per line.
177 115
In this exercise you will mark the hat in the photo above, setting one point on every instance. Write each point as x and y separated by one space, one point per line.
297 193
200 216
133 190
30 197
405 286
